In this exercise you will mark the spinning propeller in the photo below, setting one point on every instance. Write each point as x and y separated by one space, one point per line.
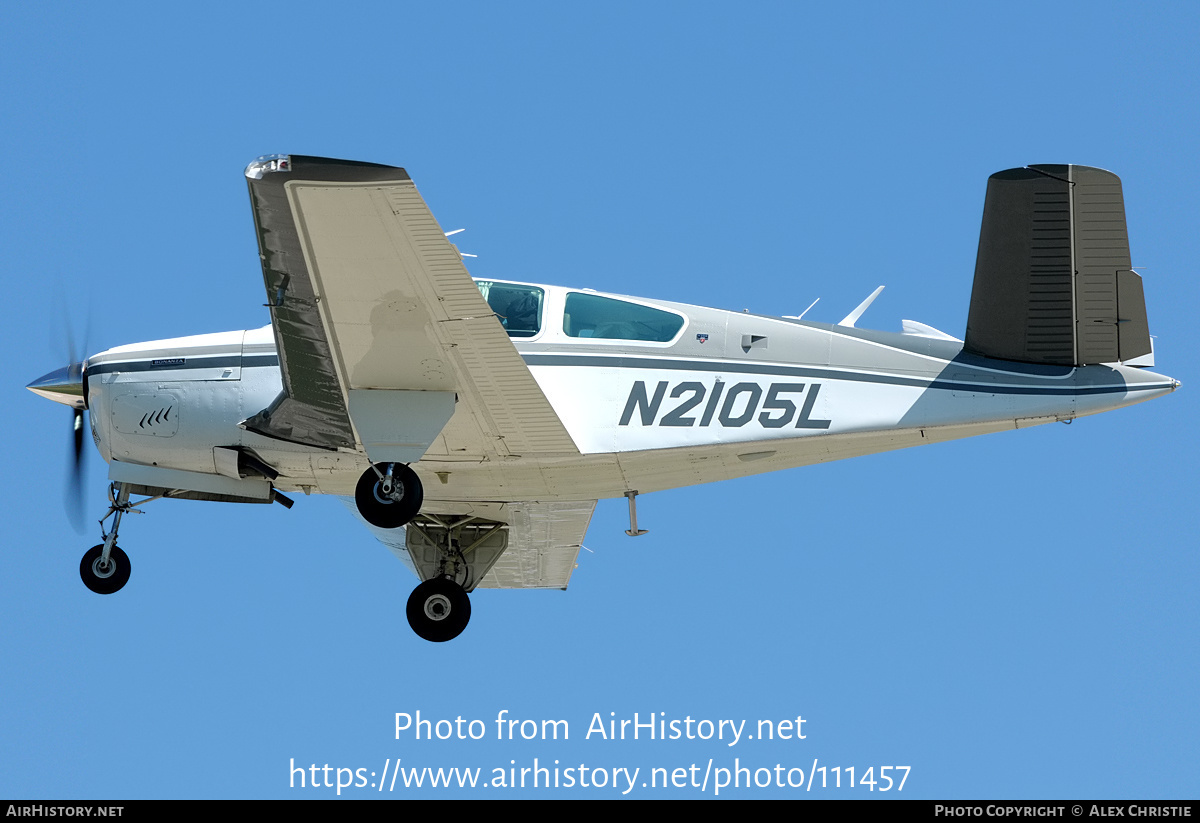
66 386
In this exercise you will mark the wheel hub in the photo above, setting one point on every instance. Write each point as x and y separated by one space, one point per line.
437 607
103 570
387 496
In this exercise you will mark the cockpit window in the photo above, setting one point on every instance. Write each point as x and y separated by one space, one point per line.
518 307
589 315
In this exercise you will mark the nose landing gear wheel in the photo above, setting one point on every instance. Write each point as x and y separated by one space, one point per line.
392 500
101 578
438 610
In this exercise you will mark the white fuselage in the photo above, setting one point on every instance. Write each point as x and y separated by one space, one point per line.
731 394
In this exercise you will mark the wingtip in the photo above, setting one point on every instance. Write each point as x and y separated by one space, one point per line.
268 163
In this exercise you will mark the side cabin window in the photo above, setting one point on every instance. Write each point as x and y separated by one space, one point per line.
519 308
589 315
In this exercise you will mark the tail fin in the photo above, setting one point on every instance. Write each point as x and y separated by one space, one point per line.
1053 282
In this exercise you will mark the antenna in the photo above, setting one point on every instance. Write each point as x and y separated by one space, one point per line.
460 253
800 316
850 319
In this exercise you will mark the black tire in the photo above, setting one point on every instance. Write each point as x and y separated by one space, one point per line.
104 581
439 610
384 512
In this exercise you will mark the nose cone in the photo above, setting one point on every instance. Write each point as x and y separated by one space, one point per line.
63 385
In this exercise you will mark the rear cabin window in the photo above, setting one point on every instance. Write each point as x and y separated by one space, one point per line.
589 315
519 308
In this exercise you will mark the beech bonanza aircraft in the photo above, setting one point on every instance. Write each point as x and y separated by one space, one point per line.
477 422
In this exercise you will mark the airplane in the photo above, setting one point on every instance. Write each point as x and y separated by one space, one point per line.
473 424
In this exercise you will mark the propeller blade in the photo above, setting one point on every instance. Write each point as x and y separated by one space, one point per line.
78 439
74 498
66 385
75 483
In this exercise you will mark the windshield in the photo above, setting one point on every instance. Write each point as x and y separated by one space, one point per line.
519 308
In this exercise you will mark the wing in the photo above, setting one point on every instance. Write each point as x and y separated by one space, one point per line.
541 547
377 320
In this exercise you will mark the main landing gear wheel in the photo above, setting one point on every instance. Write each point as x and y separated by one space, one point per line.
389 495
438 610
104 578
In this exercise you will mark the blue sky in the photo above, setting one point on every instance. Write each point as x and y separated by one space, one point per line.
1009 616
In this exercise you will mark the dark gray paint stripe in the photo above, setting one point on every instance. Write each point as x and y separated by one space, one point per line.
269 360
225 361
827 374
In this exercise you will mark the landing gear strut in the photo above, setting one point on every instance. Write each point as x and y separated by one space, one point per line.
452 554
389 495
105 568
